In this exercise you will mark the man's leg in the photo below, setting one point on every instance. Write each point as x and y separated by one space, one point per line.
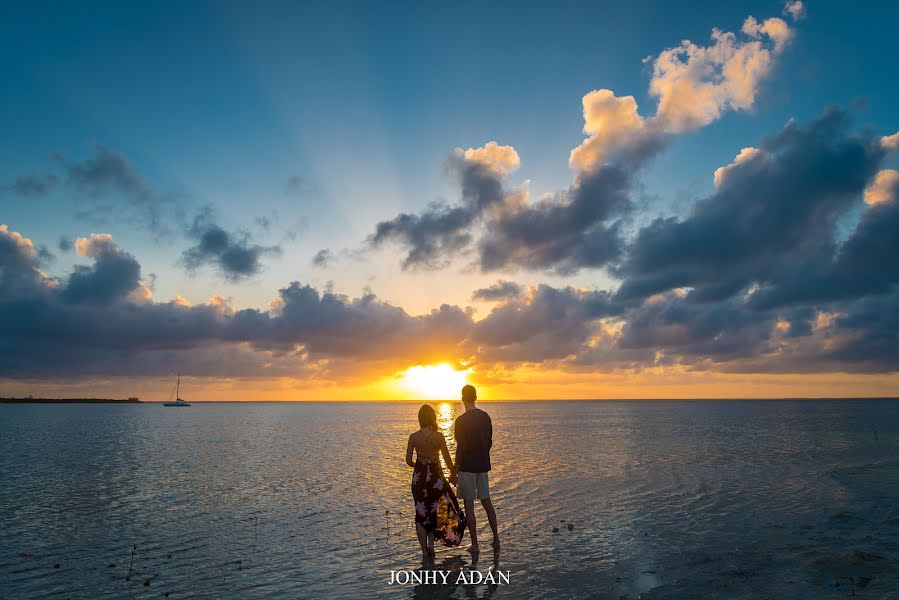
491 518
472 525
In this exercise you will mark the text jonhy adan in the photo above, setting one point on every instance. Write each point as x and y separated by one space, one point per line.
446 577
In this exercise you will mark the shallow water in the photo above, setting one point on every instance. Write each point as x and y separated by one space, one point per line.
668 499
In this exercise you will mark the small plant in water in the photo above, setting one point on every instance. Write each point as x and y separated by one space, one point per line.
133 552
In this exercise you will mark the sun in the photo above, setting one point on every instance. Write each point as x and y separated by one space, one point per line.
434 382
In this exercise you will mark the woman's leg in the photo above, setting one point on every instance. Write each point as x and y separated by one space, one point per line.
422 537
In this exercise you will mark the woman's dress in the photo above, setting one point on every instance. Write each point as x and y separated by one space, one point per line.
436 507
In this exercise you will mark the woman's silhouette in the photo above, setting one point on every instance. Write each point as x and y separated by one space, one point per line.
437 512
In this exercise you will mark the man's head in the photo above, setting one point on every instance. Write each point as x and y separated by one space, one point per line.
469 395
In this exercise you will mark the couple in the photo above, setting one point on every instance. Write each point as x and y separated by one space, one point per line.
437 513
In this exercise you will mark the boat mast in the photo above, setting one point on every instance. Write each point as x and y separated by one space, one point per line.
178 387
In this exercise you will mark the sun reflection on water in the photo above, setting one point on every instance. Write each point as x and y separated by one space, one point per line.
446 417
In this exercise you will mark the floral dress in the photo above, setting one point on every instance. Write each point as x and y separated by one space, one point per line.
436 507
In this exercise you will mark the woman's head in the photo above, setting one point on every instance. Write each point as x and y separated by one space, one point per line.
427 417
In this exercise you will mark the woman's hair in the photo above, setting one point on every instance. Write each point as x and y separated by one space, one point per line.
427 417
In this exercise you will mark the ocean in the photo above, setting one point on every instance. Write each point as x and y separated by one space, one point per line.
665 499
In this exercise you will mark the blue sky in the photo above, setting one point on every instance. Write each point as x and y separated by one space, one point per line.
220 104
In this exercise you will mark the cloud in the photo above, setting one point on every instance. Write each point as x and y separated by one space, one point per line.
693 84
103 320
109 172
884 187
563 233
615 130
323 258
441 231
890 142
501 290
113 275
502 159
19 264
32 186
430 236
582 226
746 156
234 255
772 218
548 323
795 9
696 84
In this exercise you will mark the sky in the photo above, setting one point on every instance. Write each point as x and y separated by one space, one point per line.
358 200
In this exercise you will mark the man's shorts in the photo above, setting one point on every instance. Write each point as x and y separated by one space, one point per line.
473 485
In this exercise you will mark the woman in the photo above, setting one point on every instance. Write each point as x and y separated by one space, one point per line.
437 512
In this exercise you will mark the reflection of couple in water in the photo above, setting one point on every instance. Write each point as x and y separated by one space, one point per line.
437 512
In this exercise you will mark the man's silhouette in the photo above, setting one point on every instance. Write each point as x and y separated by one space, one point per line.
474 437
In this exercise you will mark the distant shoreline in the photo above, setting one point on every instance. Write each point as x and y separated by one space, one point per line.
68 401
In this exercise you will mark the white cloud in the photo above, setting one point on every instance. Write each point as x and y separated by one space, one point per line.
503 159
96 244
612 123
17 239
890 142
795 9
745 155
695 85
883 188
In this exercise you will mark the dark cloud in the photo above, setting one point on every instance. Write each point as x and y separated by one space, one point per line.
95 322
563 234
233 254
65 244
330 324
783 269
113 275
323 258
501 290
432 238
106 171
32 186
91 323
677 327
109 172
549 323
20 271
44 254
771 222
865 264
575 229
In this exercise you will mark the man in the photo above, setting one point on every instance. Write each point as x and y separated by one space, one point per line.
474 437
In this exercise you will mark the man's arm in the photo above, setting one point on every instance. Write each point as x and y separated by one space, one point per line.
455 469
456 437
489 432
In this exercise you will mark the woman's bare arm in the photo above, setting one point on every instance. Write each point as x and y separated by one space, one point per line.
409 448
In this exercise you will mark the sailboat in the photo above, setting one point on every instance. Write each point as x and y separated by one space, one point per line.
178 401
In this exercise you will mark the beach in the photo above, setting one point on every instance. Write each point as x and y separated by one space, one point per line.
596 499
